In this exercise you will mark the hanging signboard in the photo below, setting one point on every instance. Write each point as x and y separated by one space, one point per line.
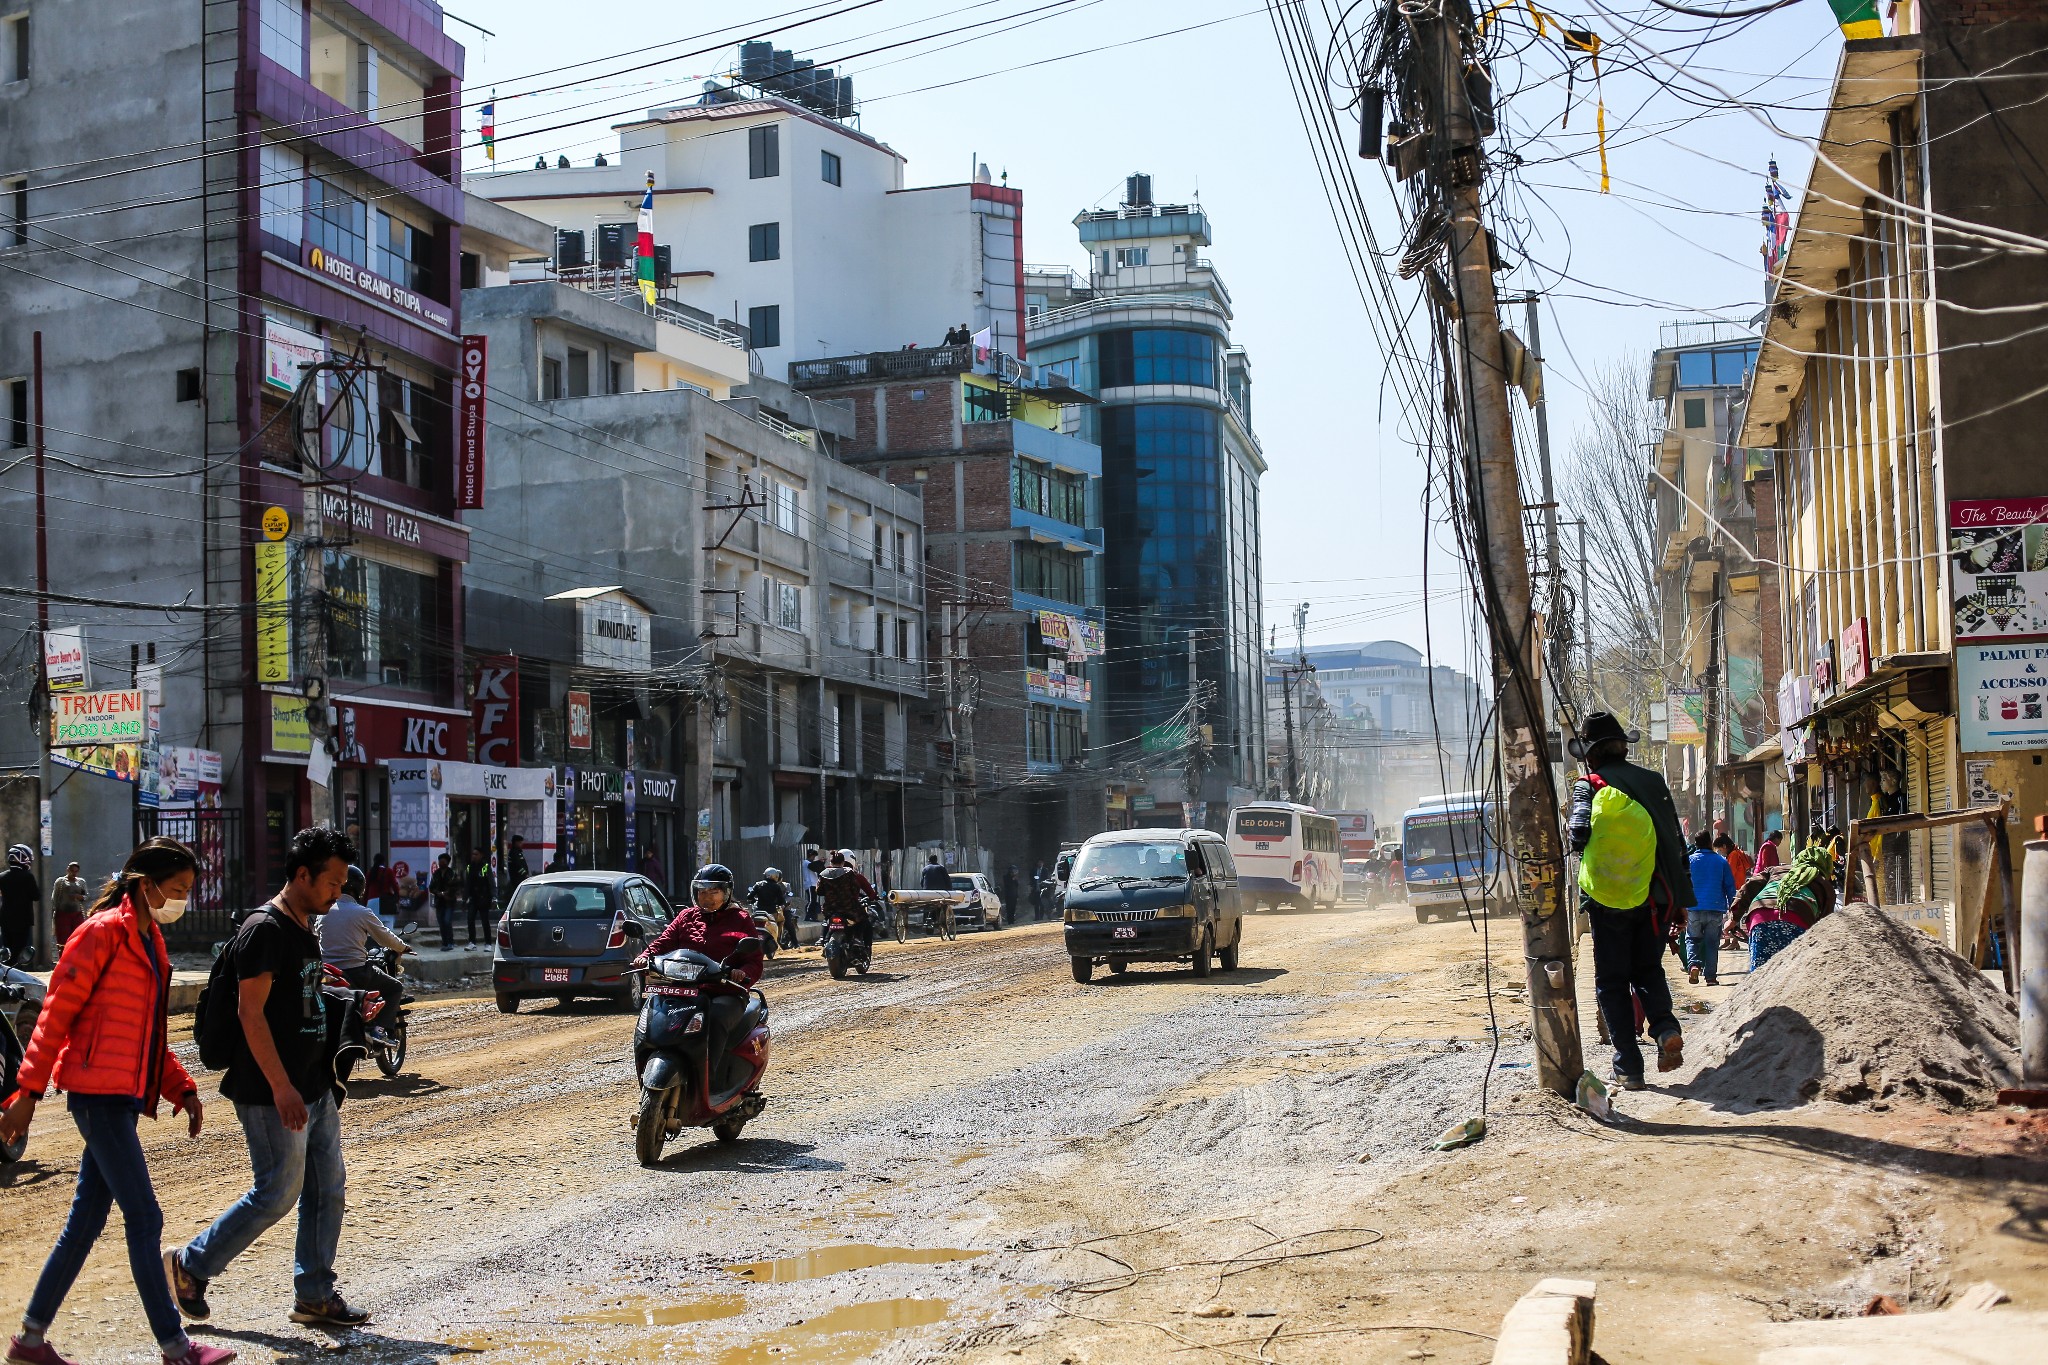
469 424
64 663
1998 557
2002 693
495 711
371 285
286 350
1684 707
273 612
81 720
578 704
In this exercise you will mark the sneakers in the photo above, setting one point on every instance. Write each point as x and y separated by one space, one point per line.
1670 1052
199 1353
188 1289
1692 974
42 1353
1623 1080
332 1311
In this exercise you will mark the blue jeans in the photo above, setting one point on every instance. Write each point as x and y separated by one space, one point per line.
1703 941
302 1168
111 1171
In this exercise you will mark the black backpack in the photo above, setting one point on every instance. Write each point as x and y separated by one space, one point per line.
217 1023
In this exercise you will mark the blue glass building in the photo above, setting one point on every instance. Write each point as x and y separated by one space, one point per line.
1147 332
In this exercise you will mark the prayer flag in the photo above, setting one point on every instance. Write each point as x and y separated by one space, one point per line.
643 249
490 130
1858 18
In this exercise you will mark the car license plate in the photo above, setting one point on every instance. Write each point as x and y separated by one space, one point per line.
550 974
1123 931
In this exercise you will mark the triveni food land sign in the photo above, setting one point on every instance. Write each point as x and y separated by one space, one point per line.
82 719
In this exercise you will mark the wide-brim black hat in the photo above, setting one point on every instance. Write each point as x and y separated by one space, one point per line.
1601 725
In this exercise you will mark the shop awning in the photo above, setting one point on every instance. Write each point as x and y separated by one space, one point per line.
1927 693
1770 751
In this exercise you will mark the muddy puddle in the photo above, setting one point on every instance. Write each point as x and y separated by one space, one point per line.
842 1334
647 1313
832 1260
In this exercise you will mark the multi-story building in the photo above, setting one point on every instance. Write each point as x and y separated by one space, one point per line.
717 656
1013 594
1147 333
799 220
1713 581
167 306
1902 398
1407 730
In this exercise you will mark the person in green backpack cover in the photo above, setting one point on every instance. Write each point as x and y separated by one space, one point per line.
1632 872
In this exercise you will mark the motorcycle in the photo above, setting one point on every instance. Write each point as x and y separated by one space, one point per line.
387 1046
21 999
681 1084
845 950
770 930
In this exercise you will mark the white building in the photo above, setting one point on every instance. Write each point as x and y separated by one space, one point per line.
793 224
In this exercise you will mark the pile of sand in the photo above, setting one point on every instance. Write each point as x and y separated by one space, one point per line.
1859 1007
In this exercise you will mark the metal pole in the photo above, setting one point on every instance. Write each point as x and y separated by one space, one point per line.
46 923
1710 708
1287 704
948 830
2032 957
1537 848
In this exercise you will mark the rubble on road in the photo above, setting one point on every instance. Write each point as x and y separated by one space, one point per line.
1860 1007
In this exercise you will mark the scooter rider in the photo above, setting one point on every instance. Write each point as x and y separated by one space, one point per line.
714 924
848 895
770 896
347 932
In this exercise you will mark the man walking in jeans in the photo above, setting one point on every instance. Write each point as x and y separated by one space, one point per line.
283 1087
1632 870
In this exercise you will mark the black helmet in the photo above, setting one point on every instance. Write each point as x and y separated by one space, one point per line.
355 884
712 875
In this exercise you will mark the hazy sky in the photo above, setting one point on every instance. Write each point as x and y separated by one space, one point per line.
1209 113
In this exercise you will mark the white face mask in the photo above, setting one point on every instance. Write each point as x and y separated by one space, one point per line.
169 911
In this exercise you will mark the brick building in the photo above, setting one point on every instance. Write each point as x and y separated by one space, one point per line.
1011 517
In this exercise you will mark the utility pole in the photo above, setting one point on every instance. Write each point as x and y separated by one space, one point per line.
1534 842
1290 675
948 830
46 923
1710 697
1196 766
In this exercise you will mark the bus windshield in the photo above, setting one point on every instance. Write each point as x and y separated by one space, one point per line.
1100 862
1439 839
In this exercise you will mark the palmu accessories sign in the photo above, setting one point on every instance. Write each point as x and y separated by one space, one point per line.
80 720
2002 692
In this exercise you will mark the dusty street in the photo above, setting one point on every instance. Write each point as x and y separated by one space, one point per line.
968 1156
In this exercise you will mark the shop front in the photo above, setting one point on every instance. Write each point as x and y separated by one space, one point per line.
623 819
458 808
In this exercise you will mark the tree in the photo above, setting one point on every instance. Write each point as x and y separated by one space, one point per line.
1606 481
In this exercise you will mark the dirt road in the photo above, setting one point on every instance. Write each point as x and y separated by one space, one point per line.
967 1155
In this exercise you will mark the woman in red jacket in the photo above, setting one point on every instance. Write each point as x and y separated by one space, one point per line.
104 1037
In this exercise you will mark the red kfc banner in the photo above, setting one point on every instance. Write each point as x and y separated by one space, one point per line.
469 425
495 710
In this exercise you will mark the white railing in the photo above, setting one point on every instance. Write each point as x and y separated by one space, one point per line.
784 429
1060 317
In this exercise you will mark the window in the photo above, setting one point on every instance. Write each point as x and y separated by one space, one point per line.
1058 736
401 103
386 625
188 386
1045 571
764 325
550 378
764 153
337 221
902 638
903 555
404 254
335 63
16 55
1157 355
618 377
1038 487
789 606
983 405
579 373
281 191
16 415
828 168
881 540
408 424
1133 255
764 242
785 512
1705 369
1695 412
14 231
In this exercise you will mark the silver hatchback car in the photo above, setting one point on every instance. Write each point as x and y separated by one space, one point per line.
571 935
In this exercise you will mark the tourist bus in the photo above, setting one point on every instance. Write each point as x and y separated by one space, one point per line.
1356 831
1287 855
1451 858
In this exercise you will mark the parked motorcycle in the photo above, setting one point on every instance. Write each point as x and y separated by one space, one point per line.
21 999
682 1085
845 950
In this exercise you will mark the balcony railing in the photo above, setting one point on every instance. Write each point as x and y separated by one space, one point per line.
923 362
618 284
1081 312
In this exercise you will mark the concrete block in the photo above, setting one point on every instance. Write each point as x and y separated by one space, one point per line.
1552 1324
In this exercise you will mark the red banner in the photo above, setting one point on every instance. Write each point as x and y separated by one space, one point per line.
469 425
495 712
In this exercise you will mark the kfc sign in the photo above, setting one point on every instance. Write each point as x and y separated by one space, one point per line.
375 731
495 711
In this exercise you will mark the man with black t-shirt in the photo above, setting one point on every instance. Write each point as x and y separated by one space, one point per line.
283 1087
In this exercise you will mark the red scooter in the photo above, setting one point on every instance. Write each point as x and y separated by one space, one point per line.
700 1051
